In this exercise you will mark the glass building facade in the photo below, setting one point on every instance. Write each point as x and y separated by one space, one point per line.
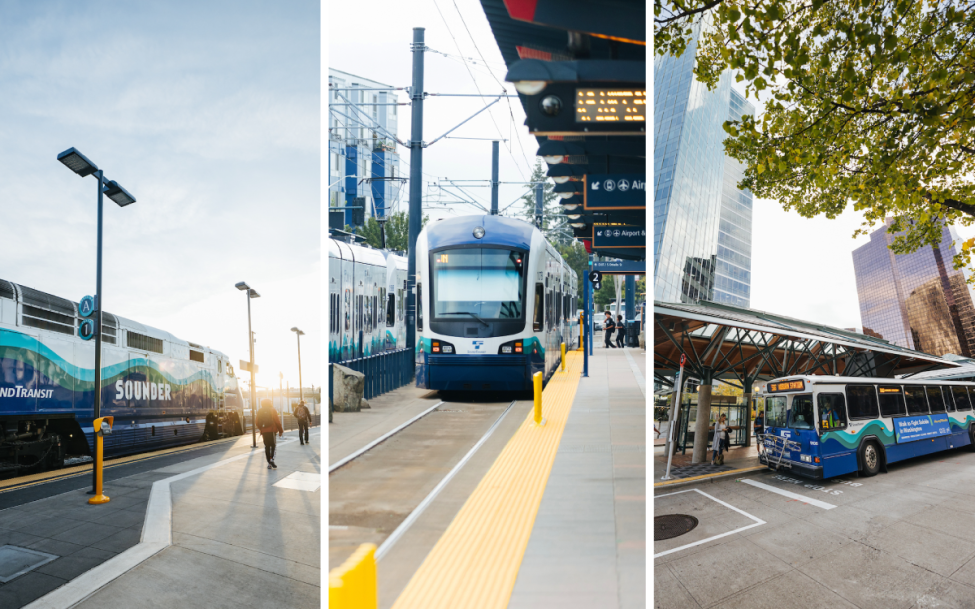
915 300
701 221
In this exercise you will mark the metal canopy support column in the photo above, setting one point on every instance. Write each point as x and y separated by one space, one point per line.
416 186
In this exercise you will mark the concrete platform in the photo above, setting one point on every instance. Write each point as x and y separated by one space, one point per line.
211 531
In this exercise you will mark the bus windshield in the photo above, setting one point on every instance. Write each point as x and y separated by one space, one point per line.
478 283
802 412
775 411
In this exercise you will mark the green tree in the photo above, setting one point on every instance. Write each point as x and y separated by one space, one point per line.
865 102
397 231
574 254
555 225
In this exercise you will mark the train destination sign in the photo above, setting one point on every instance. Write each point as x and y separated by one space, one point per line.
605 191
606 105
908 429
783 386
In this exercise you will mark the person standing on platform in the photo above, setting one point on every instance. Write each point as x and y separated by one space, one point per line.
608 327
620 331
304 419
269 423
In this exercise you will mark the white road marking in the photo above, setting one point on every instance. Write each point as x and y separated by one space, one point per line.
758 522
301 481
343 461
642 382
157 535
791 495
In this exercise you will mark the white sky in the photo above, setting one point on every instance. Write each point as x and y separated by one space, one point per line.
372 40
803 268
208 113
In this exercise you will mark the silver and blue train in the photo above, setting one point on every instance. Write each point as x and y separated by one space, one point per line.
162 391
496 300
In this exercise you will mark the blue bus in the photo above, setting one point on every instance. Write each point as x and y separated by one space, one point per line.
826 426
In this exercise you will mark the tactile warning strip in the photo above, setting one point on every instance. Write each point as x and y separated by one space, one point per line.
476 561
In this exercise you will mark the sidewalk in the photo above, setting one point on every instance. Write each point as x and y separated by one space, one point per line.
681 468
220 531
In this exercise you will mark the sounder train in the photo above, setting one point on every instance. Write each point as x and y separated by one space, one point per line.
161 391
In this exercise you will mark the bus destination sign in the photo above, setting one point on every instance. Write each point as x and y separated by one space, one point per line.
784 386
611 105
908 429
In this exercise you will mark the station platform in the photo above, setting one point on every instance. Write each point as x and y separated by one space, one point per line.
201 526
549 516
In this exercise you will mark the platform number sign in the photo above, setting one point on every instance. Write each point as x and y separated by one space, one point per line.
596 278
86 329
86 306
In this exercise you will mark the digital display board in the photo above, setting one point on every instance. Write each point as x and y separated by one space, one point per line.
783 386
608 105
894 390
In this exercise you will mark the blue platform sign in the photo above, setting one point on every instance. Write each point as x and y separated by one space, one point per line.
615 191
86 329
619 236
86 307
921 427
621 267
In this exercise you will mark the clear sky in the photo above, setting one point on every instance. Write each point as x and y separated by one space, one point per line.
372 40
208 113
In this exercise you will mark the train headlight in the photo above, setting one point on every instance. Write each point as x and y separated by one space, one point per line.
448 349
506 349
514 346
479 232
438 346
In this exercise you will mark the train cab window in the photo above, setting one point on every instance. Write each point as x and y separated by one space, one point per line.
390 310
419 306
861 402
832 411
802 413
891 401
917 403
935 400
539 322
962 401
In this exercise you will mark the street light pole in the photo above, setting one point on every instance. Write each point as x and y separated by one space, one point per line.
250 342
301 395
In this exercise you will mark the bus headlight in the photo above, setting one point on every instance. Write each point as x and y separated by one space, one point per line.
806 458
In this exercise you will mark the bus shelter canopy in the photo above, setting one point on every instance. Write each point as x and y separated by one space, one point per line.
743 346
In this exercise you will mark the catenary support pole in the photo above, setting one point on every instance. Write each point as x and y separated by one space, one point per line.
416 186
495 150
539 203
587 327
630 314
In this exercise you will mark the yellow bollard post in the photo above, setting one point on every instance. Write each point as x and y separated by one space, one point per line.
582 318
563 357
103 426
353 585
537 378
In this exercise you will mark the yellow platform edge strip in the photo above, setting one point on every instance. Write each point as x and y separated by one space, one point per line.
475 563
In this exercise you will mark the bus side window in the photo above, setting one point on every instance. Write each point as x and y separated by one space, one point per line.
891 401
832 411
861 402
539 320
916 402
949 401
935 399
961 397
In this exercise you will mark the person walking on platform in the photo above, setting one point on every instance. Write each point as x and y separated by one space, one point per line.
268 422
608 327
620 331
304 418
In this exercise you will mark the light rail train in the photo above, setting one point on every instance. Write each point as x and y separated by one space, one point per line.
826 426
367 308
161 391
495 302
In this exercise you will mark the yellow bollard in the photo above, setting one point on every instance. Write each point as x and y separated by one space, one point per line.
582 319
537 378
353 584
100 431
563 357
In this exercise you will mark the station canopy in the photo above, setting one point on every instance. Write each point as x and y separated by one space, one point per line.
744 346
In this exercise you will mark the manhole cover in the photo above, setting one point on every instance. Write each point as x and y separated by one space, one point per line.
669 526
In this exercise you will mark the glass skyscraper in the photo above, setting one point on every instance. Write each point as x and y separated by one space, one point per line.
701 221
915 300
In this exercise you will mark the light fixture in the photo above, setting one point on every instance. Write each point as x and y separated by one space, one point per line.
553 159
479 232
560 179
530 87
550 105
567 195
577 225
118 194
77 162
573 216
253 294
242 285
570 206
300 333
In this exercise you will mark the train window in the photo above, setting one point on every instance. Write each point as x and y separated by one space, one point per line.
862 401
390 310
961 397
916 402
935 400
375 311
419 306
539 322
381 311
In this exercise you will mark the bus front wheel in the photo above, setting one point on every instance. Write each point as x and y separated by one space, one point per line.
869 460
971 437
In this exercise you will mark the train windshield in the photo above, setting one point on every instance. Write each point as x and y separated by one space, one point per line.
478 283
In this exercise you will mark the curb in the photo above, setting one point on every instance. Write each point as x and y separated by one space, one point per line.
707 477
